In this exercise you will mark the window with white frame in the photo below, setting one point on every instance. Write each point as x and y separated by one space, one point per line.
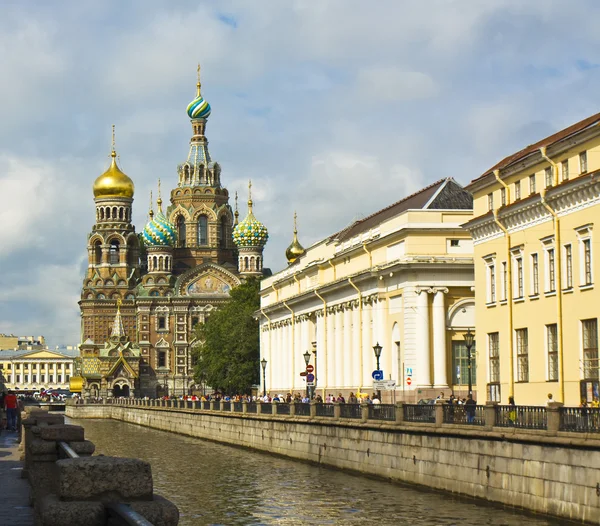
491 280
552 348
590 348
522 341
503 196
490 201
584 233
565 170
548 177
535 275
583 162
494 357
532 184
518 276
504 281
568 267
518 190
549 264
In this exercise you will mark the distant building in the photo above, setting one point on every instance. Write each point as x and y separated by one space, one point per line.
536 216
401 277
12 342
32 370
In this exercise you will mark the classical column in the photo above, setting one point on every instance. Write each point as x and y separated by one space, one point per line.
423 372
347 354
367 347
339 342
440 365
330 347
356 346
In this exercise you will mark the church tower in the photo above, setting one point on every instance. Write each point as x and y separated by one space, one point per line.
113 256
250 236
200 207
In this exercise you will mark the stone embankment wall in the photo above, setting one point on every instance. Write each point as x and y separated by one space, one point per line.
556 475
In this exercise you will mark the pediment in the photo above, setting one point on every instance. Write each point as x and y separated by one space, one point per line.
207 280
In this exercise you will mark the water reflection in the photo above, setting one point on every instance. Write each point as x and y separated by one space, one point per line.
213 484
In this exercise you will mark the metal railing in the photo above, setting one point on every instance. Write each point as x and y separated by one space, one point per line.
580 419
225 406
464 414
283 408
521 416
266 408
302 409
251 407
206 405
419 413
238 407
350 411
217 405
382 412
325 410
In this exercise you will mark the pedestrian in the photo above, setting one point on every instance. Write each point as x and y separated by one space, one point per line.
352 399
512 411
341 399
11 404
470 409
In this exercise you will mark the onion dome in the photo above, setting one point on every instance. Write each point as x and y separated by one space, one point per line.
198 108
295 250
113 182
159 232
250 232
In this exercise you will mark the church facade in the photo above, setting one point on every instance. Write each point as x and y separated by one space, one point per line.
163 281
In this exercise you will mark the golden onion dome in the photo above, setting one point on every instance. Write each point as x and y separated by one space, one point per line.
113 182
295 250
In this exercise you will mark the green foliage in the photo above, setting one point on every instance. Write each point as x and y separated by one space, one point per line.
227 358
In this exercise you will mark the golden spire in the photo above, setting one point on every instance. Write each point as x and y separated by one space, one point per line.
113 182
118 331
236 214
295 250
151 212
159 200
250 196
295 225
198 85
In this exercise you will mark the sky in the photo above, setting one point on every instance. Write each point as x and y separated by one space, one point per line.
334 109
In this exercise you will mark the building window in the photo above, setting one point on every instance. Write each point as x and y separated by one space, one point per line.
491 283
18 376
114 252
551 271
503 196
59 378
455 242
522 355
548 177
590 349
26 378
50 378
519 281
491 201
565 170
162 359
535 275
460 364
587 261
532 184
552 346
181 231
568 267
224 231
583 162
504 280
42 378
202 231
518 190
162 323
34 378
494 356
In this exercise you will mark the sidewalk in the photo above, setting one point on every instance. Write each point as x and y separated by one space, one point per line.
14 491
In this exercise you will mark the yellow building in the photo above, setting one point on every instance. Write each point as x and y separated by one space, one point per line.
401 277
535 265
10 341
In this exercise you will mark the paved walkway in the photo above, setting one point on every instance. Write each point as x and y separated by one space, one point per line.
14 491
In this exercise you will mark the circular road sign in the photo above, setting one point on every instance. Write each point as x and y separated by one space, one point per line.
309 368
409 381
310 377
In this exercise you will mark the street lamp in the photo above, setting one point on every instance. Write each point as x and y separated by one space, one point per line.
469 337
306 360
377 351
263 362
314 346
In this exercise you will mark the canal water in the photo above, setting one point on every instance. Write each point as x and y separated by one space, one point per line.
214 484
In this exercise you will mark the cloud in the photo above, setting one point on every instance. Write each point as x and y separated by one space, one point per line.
390 84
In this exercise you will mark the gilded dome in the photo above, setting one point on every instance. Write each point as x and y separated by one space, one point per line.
113 182
159 232
295 250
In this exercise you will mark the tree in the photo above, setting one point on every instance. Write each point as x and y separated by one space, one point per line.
227 357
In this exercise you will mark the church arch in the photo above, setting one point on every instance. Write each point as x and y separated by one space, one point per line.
202 230
181 231
98 252
114 252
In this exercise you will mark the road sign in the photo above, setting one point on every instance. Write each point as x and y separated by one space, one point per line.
309 368
310 377
384 385
409 381
377 374
409 371
303 373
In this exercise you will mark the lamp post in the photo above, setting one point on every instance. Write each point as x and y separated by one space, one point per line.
306 360
469 337
263 362
314 350
377 350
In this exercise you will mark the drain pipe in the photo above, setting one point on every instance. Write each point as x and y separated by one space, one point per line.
269 322
509 287
558 273
360 332
324 388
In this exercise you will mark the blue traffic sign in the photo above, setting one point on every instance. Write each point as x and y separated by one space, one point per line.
310 377
377 374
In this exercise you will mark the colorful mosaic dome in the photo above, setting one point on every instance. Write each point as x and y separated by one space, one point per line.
250 232
198 108
159 232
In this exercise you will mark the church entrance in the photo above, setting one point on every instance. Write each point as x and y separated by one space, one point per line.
121 391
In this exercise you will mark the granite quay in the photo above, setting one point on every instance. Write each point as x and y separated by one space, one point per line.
70 486
542 459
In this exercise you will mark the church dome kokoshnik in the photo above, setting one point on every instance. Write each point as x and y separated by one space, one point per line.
159 232
198 108
250 232
113 182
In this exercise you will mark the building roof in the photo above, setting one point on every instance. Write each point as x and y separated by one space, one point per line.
548 141
8 354
445 194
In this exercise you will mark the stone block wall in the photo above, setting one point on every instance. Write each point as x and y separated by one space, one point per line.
555 475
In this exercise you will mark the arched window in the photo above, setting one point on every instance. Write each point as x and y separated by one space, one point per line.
224 231
114 252
181 231
246 266
202 231
97 252
132 253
